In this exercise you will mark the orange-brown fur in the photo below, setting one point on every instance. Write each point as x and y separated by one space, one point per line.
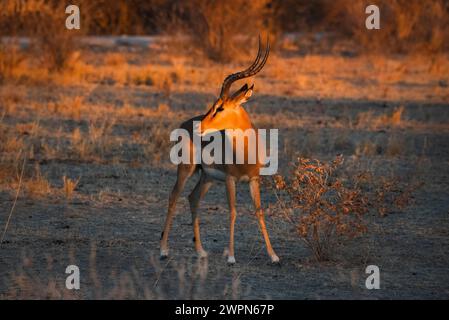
226 113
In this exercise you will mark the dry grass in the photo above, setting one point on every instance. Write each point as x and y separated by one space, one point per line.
105 113
69 187
366 148
37 186
375 122
314 76
11 144
109 121
95 142
94 135
114 59
396 146
390 193
187 281
92 139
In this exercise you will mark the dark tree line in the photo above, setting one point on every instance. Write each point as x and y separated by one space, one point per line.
407 25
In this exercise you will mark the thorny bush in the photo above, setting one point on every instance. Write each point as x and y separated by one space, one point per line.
327 206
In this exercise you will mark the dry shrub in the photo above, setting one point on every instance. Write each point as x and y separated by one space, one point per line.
406 25
328 205
324 207
213 25
10 59
44 22
54 42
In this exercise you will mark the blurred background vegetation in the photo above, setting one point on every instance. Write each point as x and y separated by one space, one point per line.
406 25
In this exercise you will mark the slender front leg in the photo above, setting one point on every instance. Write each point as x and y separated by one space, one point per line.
255 195
195 197
230 188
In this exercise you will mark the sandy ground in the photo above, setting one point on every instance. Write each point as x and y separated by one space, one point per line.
111 228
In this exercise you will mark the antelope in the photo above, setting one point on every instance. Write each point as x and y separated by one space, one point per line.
226 113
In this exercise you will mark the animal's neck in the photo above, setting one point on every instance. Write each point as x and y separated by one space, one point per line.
242 121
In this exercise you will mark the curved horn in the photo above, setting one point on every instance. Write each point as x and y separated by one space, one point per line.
249 72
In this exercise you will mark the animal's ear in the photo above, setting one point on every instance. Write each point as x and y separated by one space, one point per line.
243 94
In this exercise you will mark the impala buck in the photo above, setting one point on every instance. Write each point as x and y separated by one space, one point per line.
226 113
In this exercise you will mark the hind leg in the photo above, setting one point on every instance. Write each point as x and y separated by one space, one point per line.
195 197
184 172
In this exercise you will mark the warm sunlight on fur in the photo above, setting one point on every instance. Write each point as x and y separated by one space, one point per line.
86 176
